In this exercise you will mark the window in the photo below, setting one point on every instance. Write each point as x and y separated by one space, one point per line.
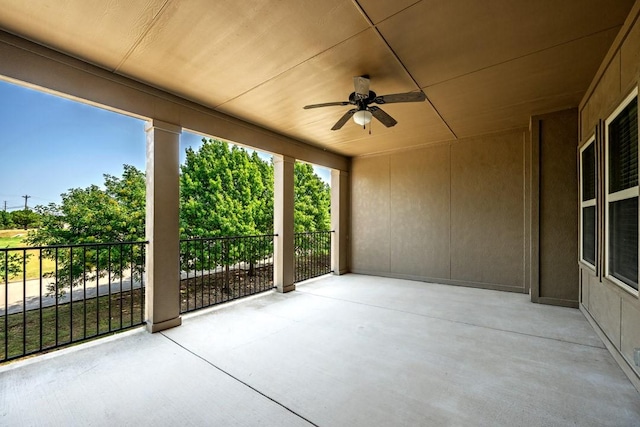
621 145
588 203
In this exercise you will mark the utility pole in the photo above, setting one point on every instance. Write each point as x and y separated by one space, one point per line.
26 197
5 205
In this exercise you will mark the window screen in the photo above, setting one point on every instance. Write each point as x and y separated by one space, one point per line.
623 149
589 234
623 241
622 206
588 203
589 173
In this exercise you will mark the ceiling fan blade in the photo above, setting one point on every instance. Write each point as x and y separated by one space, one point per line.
361 85
327 104
344 119
400 97
383 117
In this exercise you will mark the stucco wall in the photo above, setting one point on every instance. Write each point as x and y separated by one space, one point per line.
555 275
614 312
451 213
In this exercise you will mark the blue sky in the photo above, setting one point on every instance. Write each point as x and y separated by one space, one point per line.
49 144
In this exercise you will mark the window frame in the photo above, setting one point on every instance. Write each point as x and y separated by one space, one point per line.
591 142
625 194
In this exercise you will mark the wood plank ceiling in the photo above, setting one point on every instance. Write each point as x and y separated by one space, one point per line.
485 66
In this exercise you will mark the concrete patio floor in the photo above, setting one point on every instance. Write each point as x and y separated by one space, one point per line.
339 351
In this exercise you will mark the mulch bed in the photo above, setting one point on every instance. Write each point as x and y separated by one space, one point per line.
210 289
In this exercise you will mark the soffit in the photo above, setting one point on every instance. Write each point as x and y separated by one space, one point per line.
379 10
509 93
458 37
94 31
485 66
282 99
216 51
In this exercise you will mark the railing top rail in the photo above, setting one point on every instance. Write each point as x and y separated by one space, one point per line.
314 232
73 245
195 239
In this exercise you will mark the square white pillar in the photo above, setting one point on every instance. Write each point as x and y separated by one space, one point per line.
283 205
340 221
162 302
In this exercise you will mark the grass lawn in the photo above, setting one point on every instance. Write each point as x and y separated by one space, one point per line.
12 238
68 324
15 239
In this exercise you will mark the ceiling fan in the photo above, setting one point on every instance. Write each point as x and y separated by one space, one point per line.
362 97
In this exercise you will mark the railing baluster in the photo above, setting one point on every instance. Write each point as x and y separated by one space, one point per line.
84 291
109 284
218 275
209 268
202 264
97 290
131 293
6 304
236 266
56 295
188 268
24 301
40 295
121 274
71 294
142 256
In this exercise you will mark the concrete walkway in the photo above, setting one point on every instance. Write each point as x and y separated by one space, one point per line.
33 293
340 351
28 295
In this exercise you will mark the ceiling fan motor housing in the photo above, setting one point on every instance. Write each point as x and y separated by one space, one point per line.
362 102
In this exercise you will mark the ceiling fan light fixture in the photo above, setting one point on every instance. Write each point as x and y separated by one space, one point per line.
362 117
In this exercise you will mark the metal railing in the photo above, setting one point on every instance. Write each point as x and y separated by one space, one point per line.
312 254
53 296
220 269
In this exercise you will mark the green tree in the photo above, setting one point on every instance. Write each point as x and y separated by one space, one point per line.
224 191
264 215
5 220
312 200
11 264
312 204
25 218
91 216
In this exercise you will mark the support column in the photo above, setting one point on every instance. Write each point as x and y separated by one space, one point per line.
340 221
283 192
162 300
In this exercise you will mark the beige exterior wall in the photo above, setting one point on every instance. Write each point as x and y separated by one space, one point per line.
450 213
614 312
